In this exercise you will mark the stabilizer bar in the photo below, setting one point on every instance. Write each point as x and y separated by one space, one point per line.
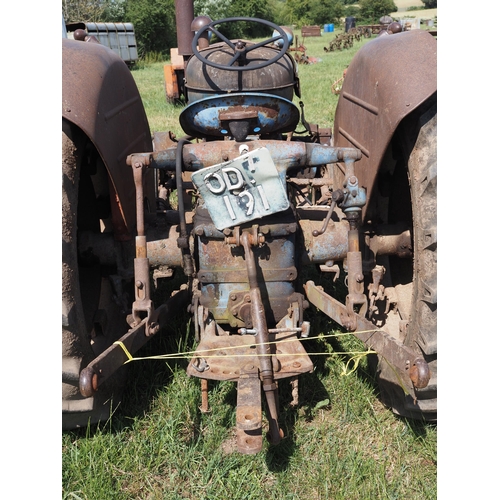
410 369
109 361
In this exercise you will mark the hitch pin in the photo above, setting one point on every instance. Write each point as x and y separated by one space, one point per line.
303 330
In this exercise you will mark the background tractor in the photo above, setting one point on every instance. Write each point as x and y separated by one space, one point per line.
259 204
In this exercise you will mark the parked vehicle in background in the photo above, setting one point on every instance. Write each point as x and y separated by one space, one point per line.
119 37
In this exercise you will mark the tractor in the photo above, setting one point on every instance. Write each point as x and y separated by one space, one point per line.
258 204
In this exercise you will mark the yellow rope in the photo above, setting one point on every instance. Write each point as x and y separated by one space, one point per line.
357 355
125 350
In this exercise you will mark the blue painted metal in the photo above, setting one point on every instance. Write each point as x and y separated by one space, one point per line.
206 116
354 196
285 155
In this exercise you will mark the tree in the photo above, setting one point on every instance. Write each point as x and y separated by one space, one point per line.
85 11
430 4
303 12
222 9
295 12
215 9
114 11
371 11
154 24
93 11
325 11
352 11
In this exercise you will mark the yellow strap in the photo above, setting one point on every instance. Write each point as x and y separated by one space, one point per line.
356 356
125 350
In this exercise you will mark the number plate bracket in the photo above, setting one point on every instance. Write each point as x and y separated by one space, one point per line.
241 190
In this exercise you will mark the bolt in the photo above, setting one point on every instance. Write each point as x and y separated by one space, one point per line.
137 165
139 284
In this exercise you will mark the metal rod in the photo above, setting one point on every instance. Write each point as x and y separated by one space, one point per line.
204 396
262 340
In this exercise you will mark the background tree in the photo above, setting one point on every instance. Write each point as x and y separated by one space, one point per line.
352 10
85 11
154 24
430 4
114 11
325 11
216 9
293 12
304 12
93 11
370 11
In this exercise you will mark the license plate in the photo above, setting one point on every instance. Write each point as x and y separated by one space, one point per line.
241 190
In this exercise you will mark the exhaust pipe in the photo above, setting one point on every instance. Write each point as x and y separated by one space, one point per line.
184 15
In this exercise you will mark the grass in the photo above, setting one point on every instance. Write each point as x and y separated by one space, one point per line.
340 442
404 5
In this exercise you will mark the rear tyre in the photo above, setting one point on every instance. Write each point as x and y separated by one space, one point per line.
414 199
90 317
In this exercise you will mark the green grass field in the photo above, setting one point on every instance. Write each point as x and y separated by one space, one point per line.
340 442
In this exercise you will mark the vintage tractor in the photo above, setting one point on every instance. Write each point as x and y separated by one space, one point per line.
258 203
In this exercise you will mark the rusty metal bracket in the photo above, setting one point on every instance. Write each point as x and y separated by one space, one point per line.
262 338
249 412
410 369
376 291
109 361
142 285
240 357
356 301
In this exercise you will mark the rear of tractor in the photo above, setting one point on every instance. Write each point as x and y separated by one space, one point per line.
259 201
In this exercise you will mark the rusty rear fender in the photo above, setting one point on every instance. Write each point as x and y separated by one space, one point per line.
100 97
389 78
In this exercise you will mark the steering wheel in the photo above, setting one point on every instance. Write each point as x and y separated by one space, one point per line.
239 48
